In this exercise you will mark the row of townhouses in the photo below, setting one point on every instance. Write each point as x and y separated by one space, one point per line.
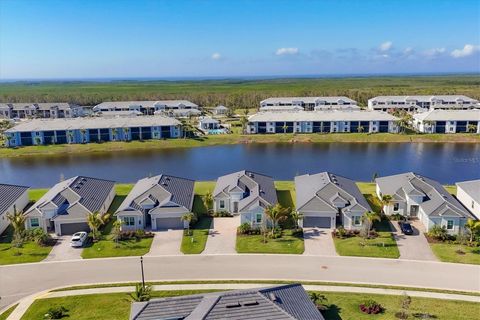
422 103
39 110
91 129
173 108
326 200
447 121
308 103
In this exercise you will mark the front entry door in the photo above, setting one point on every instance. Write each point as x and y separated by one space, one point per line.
235 207
414 211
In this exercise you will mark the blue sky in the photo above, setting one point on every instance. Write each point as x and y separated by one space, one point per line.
89 39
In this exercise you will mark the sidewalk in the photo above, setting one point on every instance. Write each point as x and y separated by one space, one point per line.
26 303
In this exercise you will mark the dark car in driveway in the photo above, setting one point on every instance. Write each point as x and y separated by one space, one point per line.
406 228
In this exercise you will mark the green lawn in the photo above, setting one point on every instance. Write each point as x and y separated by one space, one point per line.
288 243
8 312
116 306
195 243
447 252
35 194
30 251
384 246
202 187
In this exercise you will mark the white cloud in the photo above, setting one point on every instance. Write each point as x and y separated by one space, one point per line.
467 50
386 46
216 56
286 51
434 52
408 51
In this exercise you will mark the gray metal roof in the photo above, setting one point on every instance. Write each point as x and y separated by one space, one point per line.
9 194
420 98
329 187
260 186
91 193
309 100
324 115
161 189
446 115
35 106
472 188
93 123
284 302
437 201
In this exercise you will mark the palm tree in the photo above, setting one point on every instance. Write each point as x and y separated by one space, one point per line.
84 135
70 136
114 134
17 220
125 133
360 129
429 124
188 217
9 139
285 127
117 231
473 228
95 220
208 201
142 293
296 217
38 140
276 214
318 300
472 128
387 200
370 217
243 122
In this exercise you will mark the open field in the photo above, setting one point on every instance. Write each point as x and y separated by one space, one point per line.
237 93
227 139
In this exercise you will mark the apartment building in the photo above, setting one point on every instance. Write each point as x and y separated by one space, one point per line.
307 103
39 110
447 121
422 103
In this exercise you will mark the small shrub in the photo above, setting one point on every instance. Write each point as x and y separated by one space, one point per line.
371 307
56 313
39 236
244 228
141 293
140 233
439 233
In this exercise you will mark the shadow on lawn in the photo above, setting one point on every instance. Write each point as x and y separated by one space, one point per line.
332 312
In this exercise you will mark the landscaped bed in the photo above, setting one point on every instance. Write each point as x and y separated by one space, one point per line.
29 252
290 242
117 306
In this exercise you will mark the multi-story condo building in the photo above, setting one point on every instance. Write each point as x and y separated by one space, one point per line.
421 103
307 103
447 121
321 122
39 110
147 107
86 130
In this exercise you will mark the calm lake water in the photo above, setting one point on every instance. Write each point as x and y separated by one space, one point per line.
447 163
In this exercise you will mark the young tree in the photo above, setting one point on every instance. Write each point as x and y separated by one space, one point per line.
285 127
387 200
243 122
125 133
95 220
208 201
117 231
296 217
319 300
369 218
84 135
472 128
473 228
188 217
141 293
404 307
276 214
17 220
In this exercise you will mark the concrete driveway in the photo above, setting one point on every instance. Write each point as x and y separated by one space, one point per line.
413 247
222 236
319 242
62 251
166 242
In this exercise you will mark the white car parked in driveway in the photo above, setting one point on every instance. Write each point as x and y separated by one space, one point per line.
79 239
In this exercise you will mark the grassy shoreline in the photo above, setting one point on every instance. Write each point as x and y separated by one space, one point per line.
232 139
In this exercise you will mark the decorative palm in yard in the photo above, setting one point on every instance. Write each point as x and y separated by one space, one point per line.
17 220
84 135
473 228
208 201
117 231
472 128
125 133
243 122
276 214
296 217
188 217
285 128
95 220
370 217
387 200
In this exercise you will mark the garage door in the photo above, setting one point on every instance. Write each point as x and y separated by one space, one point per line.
71 228
319 222
169 223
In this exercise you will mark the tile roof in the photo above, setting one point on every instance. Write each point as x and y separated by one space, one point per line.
9 194
259 186
324 115
330 188
162 190
284 302
437 201
472 188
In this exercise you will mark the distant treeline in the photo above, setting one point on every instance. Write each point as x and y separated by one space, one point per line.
236 93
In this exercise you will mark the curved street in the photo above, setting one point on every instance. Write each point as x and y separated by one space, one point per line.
19 281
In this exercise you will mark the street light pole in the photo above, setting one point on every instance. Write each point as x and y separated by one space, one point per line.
143 275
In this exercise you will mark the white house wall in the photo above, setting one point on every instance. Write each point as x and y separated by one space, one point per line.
19 205
472 205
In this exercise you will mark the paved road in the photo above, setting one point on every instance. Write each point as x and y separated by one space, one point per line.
319 242
18 281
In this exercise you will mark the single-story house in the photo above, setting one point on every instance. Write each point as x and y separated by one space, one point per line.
157 203
416 196
245 193
447 121
220 110
419 103
283 302
322 122
307 103
468 193
65 207
207 123
327 200
12 198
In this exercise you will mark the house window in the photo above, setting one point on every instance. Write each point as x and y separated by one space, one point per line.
129 221
396 206
222 204
34 222
356 220
258 218
449 224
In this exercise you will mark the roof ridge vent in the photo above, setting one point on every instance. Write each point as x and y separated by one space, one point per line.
250 303
233 305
